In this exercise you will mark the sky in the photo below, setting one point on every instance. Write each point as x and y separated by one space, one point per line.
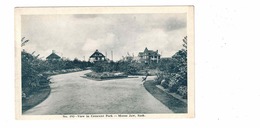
79 35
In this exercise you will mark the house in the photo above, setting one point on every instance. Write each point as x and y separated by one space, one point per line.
149 56
97 56
53 56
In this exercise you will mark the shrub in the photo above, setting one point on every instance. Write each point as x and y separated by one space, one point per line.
174 82
158 79
131 68
177 68
182 90
165 83
173 86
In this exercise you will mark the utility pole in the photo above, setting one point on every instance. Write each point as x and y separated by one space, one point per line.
112 55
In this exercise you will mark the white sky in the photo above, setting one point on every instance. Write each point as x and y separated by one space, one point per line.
80 35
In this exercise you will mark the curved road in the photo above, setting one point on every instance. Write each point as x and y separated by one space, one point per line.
72 94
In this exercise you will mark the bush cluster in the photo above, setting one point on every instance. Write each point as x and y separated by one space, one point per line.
36 71
173 75
130 68
31 72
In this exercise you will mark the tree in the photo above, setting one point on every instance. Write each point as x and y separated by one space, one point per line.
174 71
179 74
32 70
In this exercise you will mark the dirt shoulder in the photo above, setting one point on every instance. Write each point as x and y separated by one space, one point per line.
176 105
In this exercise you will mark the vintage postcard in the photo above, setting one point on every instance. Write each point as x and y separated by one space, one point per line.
104 62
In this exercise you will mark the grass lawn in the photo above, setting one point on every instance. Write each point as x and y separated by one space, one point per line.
168 100
35 98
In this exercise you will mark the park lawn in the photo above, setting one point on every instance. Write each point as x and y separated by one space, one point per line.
35 98
176 105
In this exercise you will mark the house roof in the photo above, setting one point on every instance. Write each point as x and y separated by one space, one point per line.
140 53
53 56
97 54
149 51
154 53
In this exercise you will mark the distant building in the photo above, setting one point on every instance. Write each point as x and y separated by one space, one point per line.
128 57
97 56
53 56
149 56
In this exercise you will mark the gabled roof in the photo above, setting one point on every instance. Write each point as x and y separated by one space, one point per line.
149 51
154 53
145 50
140 53
97 54
53 56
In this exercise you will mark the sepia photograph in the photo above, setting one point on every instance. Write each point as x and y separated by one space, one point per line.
104 62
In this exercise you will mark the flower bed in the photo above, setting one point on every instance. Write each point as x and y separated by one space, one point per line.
56 72
105 75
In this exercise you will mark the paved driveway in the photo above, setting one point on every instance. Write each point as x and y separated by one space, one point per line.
72 94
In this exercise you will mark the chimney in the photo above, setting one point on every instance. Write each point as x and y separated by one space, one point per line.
53 51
